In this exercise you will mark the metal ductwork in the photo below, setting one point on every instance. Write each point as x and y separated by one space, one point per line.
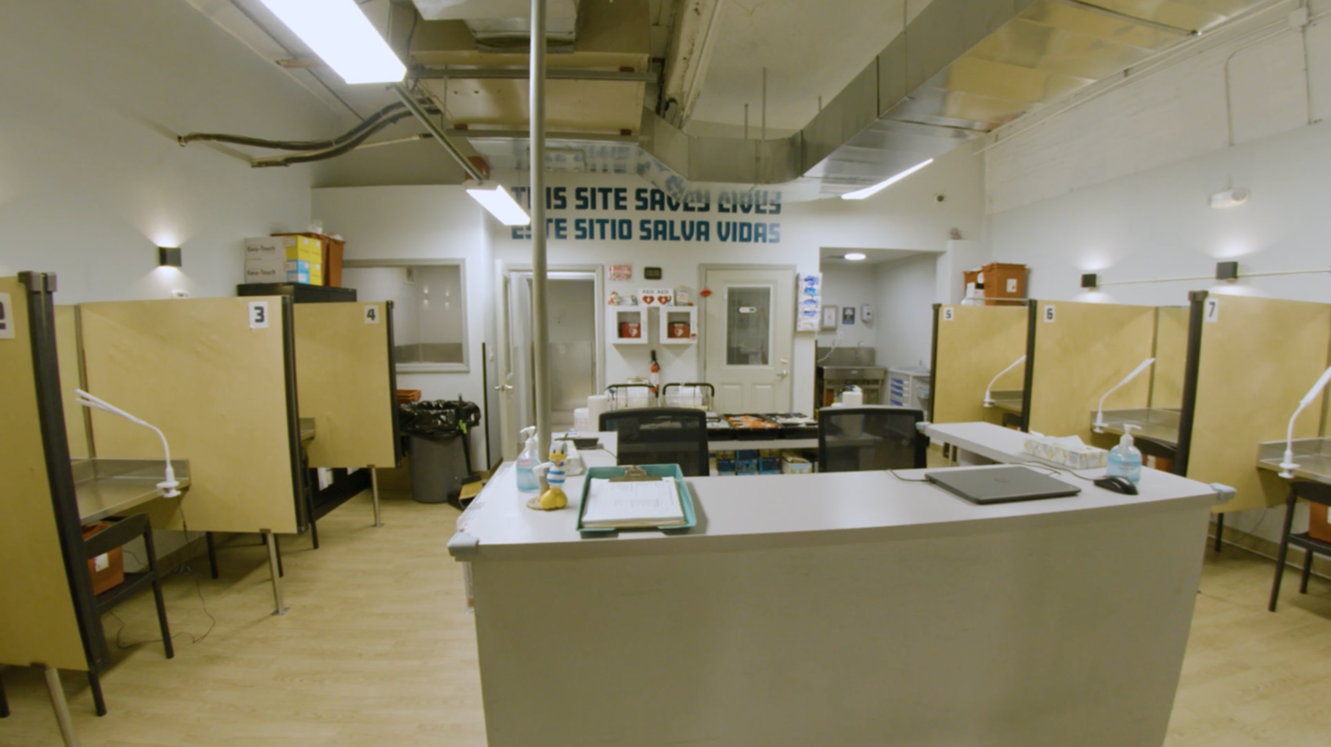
959 70
505 25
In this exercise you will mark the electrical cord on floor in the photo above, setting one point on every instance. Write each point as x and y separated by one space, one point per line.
602 448
198 588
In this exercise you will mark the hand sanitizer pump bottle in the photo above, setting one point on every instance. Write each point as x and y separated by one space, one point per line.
1125 460
527 462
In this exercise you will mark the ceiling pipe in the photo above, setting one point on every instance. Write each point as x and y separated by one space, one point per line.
540 319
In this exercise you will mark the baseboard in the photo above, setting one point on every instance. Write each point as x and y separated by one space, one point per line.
1269 550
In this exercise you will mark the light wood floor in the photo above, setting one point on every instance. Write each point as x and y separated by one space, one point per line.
377 651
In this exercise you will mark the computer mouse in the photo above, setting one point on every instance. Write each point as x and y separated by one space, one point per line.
1117 484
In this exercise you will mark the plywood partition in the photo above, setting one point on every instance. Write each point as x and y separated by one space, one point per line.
39 622
1171 357
344 382
217 387
1259 356
972 345
1081 350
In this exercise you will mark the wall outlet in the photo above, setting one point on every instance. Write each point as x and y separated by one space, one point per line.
179 294
840 337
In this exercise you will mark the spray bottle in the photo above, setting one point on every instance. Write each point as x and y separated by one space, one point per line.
527 461
1125 460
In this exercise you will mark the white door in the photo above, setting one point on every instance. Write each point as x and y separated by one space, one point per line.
505 385
749 326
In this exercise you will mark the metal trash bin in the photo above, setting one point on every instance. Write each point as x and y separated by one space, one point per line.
440 461
438 467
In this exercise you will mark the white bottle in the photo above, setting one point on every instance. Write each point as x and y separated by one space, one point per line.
1125 460
527 462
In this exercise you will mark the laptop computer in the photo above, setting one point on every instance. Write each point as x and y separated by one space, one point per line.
1000 484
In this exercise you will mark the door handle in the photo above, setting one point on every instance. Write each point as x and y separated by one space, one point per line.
503 387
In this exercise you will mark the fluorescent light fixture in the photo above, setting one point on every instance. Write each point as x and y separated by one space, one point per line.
501 205
1230 198
1099 425
879 187
856 256
1288 466
343 37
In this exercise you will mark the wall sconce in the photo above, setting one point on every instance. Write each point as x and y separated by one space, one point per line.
1090 281
168 256
1229 199
1226 270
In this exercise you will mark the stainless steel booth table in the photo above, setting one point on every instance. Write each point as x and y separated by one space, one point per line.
115 487
863 608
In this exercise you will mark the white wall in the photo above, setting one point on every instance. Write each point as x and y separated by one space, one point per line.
91 176
905 327
1119 185
850 286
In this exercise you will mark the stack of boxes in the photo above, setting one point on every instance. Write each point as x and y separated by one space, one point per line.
758 462
284 259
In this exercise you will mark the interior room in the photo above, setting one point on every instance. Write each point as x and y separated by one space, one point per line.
548 372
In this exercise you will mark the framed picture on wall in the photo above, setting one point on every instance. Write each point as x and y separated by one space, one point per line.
830 320
847 314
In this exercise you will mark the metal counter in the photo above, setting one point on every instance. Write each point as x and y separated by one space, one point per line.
306 430
1009 400
1153 424
1313 455
114 487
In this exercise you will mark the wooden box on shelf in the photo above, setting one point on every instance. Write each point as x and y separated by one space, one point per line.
1003 282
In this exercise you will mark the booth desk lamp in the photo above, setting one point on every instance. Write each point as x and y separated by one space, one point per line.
1288 466
169 485
989 391
1099 426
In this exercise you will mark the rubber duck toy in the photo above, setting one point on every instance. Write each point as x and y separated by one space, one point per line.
552 475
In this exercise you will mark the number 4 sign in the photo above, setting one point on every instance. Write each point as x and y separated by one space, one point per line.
6 318
371 314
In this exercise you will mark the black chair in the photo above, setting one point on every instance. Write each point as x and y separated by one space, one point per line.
1313 492
117 535
661 435
856 439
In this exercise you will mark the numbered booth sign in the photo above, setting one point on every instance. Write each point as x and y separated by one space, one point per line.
258 315
371 314
6 318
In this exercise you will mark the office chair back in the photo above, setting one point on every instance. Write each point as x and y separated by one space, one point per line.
854 439
660 435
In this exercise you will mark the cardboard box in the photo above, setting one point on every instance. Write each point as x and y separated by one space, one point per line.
1319 524
265 275
330 256
285 247
299 268
107 571
1003 281
794 465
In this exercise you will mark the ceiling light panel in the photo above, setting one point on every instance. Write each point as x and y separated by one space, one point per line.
343 37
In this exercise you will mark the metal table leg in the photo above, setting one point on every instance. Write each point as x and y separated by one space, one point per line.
271 541
1219 532
374 490
61 707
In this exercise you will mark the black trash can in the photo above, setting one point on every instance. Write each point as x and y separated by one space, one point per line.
436 433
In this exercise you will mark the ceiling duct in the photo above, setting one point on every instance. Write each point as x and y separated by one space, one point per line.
505 25
961 68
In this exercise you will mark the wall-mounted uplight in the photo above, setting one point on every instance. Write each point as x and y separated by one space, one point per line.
168 256
1090 281
501 205
1230 198
880 186
855 257
1226 270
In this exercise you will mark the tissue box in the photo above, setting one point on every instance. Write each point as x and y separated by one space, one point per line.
1069 452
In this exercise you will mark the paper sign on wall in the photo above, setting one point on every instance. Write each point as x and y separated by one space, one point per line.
371 314
258 315
949 313
656 296
1212 309
810 291
6 318
1049 313
620 272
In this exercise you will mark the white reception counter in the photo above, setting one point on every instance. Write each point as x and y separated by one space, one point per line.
838 609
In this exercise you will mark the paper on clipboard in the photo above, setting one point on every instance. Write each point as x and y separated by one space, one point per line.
629 504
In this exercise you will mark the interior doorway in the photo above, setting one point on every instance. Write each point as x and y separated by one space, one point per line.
749 331
575 336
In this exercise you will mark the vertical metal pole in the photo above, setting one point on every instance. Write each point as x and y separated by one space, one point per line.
374 492
271 541
746 121
61 707
764 131
540 321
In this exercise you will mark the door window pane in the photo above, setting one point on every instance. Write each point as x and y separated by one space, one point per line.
748 325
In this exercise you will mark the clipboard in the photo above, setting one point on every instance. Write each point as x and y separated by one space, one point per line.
640 472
